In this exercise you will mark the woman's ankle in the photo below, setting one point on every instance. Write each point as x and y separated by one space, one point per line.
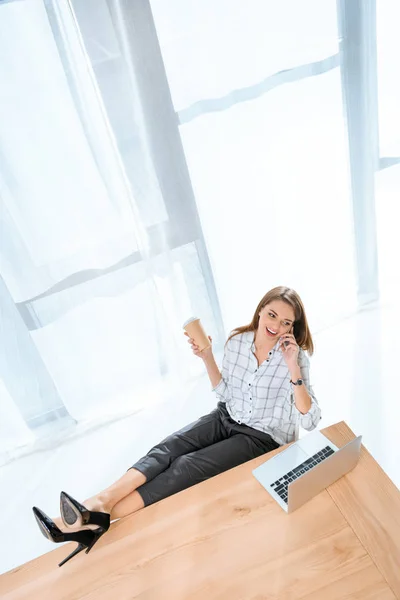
99 503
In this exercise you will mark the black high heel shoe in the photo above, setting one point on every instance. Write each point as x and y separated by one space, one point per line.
74 513
86 538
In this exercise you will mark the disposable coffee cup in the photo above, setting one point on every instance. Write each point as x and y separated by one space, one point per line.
195 330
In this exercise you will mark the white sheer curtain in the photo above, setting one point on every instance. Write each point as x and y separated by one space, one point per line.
388 52
387 181
268 162
102 249
93 293
14 433
64 212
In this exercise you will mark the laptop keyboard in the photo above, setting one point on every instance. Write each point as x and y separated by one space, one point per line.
281 485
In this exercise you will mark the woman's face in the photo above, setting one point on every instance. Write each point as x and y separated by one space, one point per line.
276 318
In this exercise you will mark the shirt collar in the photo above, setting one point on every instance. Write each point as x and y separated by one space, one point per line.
249 338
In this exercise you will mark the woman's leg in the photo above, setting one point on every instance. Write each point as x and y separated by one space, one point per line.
127 506
205 431
189 469
105 500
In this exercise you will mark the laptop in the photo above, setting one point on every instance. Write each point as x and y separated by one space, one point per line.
306 468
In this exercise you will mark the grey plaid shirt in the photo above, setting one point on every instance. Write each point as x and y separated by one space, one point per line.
262 396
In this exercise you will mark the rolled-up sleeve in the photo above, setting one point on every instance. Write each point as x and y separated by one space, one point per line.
222 388
310 420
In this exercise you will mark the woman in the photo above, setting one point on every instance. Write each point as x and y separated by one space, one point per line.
264 392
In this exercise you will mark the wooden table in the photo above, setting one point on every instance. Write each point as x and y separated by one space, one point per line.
226 538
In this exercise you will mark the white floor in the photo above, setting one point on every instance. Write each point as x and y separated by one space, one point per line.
354 373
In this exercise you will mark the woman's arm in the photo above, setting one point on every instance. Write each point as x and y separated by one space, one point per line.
301 396
312 417
212 370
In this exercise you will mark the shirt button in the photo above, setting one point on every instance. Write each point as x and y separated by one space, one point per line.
249 383
270 353
240 422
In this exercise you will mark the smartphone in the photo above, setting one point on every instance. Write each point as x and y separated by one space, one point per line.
287 341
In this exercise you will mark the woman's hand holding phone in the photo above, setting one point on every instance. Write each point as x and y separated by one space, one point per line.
290 349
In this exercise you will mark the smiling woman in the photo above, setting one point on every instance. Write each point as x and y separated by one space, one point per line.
264 393
279 334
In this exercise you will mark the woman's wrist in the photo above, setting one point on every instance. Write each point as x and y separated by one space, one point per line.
208 358
295 373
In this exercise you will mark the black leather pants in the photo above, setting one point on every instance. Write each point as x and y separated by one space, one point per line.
212 444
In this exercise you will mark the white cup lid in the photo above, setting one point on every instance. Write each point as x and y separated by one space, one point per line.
190 320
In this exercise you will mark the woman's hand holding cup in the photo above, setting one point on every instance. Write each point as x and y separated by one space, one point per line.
198 339
204 354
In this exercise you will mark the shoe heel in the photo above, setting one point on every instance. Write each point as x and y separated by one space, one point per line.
86 538
97 535
78 549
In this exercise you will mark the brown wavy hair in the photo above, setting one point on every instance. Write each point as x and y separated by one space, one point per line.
301 331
